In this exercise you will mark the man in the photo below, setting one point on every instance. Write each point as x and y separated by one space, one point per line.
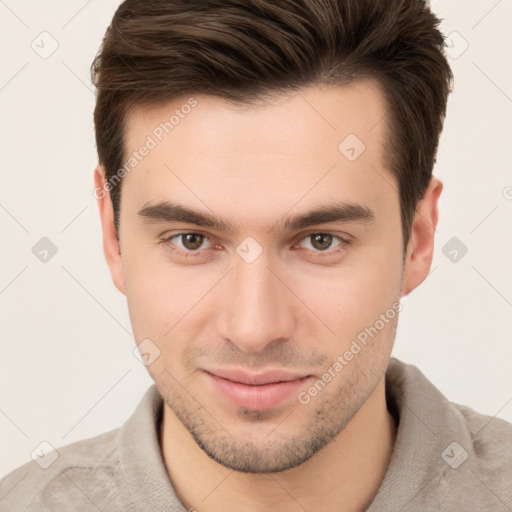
266 196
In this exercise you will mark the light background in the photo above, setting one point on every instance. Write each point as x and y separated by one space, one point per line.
67 371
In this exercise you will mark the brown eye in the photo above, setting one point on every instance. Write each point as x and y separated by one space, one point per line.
191 241
321 241
186 244
323 244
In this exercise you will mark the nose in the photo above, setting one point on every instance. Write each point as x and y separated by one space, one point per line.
258 308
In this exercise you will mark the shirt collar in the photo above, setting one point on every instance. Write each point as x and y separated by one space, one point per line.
427 424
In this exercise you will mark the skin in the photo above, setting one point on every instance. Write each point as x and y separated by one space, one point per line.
292 308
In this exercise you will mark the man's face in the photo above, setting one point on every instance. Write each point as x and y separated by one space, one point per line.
267 297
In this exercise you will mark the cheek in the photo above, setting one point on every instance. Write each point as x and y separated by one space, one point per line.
150 291
159 305
351 297
162 296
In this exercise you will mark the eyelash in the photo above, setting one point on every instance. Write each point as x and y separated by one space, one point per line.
344 243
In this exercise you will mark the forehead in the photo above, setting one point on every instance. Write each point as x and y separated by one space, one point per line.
312 112
321 142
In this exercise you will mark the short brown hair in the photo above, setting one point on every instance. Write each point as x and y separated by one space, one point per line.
156 50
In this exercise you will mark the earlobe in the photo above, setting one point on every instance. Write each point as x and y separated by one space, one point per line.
420 248
111 247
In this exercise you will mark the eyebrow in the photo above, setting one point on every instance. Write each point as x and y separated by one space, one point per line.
166 211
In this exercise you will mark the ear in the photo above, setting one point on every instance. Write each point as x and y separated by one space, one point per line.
111 247
420 248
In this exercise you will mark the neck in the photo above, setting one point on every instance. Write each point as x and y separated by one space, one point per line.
344 475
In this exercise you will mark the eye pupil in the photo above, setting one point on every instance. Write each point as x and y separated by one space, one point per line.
319 237
195 239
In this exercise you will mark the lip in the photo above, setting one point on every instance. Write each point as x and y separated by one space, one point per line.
268 377
261 391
